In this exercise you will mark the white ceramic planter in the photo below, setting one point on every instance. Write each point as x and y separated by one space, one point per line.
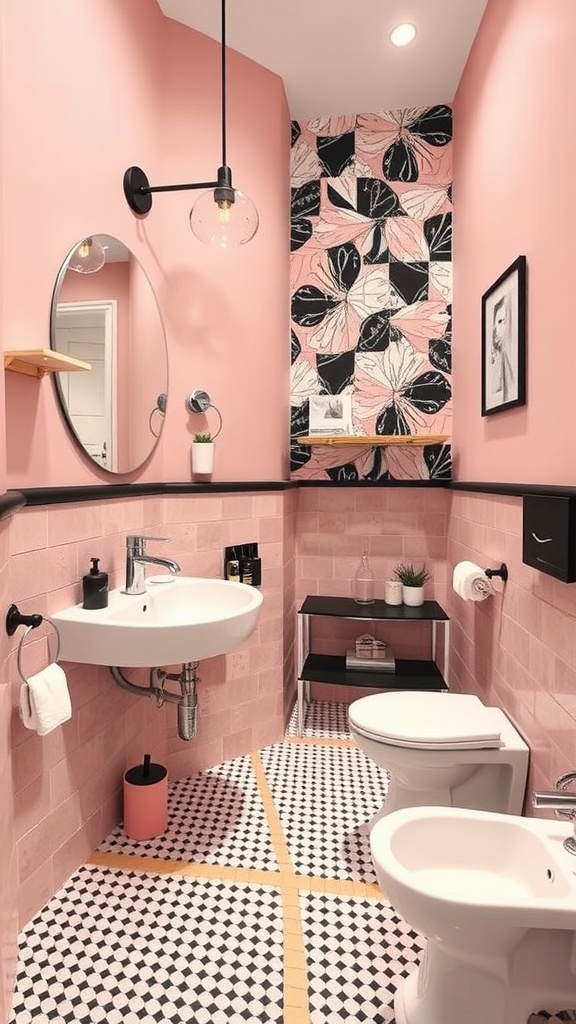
393 592
202 453
413 596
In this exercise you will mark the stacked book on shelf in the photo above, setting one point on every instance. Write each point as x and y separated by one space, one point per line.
370 655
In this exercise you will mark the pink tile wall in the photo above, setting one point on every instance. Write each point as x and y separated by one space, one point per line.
67 786
241 703
289 601
8 877
517 649
334 526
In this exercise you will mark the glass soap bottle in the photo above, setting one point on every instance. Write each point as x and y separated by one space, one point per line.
364 582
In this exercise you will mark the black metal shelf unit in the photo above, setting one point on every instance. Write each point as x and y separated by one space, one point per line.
409 674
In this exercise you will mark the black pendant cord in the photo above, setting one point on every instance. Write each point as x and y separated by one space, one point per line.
206 184
137 188
223 79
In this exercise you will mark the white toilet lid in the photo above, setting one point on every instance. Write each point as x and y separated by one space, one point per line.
450 721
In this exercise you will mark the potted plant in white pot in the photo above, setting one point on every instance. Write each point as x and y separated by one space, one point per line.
202 453
412 581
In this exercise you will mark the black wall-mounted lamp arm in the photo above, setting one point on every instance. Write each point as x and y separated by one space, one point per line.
138 190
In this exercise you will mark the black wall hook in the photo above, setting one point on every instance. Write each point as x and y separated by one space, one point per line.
502 572
14 618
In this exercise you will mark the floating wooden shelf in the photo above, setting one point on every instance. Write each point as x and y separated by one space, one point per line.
369 439
37 362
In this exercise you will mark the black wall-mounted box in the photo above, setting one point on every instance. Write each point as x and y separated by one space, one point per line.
549 535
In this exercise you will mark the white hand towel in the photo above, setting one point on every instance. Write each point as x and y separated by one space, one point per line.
471 582
45 701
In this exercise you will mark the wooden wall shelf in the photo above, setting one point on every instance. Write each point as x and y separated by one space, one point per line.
37 362
369 439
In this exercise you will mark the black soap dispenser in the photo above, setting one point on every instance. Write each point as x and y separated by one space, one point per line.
95 587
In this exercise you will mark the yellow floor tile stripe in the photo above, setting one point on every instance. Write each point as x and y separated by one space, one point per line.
296 1005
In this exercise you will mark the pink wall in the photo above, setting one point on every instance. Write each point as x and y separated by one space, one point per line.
156 105
512 161
518 649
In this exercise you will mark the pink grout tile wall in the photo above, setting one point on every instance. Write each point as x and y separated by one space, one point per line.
66 786
517 649
8 873
335 526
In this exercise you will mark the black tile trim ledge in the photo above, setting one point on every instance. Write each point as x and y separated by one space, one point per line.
96 492
558 490
13 501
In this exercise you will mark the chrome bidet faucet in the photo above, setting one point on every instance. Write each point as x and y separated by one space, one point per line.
136 559
561 801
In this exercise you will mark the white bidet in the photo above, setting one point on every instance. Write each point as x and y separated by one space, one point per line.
495 895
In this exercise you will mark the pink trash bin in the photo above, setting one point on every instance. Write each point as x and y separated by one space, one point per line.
145 800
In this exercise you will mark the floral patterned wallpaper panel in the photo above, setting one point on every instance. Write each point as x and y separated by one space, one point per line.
371 288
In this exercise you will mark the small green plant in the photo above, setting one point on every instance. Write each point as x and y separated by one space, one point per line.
411 577
202 438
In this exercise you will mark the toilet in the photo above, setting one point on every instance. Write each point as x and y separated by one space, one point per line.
442 749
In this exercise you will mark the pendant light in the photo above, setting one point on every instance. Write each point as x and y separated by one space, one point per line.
223 216
88 257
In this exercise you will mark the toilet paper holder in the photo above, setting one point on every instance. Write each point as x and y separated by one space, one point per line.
502 572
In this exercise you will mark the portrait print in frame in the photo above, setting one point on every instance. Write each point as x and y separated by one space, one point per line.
504 340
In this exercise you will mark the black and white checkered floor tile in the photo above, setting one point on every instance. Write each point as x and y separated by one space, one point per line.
125 947
214 817
323 719
325 796
357 952
121 948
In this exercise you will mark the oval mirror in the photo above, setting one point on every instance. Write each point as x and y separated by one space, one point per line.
104 312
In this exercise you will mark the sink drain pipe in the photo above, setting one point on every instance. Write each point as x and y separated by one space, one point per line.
186 701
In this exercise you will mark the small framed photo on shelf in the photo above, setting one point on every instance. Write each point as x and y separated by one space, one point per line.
330 414
504 340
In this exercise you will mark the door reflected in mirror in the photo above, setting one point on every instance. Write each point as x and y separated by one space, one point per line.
109 317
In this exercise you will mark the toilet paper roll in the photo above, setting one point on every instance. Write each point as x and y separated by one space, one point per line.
470 582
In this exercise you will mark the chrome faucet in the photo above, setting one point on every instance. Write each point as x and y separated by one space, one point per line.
136 559
564 803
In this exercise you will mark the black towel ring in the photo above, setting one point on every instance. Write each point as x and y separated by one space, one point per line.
14 618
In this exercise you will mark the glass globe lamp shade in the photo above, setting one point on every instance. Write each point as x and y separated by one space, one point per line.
222 223
88 257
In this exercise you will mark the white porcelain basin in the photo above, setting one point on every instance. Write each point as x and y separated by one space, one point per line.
186 619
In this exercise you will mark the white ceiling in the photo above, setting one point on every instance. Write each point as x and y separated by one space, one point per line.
335 56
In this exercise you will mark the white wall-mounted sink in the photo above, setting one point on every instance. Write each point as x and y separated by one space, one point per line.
186 619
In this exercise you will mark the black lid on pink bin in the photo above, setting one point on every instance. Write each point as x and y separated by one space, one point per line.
145 774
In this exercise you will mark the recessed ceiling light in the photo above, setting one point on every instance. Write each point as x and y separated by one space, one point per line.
403 34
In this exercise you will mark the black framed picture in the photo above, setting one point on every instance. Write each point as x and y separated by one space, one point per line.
504 340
